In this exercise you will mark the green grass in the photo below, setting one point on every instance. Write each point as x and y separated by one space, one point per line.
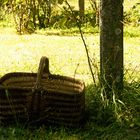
66 53
67 57
96 132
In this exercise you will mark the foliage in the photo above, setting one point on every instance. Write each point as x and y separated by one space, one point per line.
30 15
131 31
2 9
133 15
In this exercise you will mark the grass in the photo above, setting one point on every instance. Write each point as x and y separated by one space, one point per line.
66 53
67 57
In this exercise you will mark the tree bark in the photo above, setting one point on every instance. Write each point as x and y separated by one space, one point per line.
81 7
95 6
33 6
111 45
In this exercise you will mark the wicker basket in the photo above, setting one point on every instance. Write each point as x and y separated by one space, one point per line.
41 96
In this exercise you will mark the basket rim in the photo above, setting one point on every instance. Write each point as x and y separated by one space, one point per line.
15 75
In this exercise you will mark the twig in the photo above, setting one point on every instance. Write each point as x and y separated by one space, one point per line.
84 42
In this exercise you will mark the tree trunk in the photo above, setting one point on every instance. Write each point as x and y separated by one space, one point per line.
49 11
81 7
95 6
111 45
33 5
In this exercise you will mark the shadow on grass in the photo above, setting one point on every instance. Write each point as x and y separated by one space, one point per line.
105 122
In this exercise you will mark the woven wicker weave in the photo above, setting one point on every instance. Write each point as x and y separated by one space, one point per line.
41 96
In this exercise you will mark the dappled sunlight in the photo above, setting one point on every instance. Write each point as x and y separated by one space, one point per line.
66 53
132 55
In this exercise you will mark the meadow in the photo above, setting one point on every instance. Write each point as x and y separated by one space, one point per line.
22 53
66 53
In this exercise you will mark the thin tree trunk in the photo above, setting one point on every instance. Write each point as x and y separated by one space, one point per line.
81 7
111 45
95 6
34 12
49 11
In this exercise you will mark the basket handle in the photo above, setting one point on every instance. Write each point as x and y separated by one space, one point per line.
43 68
37 91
